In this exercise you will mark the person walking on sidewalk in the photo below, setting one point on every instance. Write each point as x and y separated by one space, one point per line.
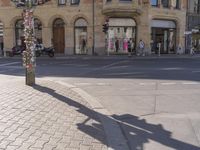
141 47
129 47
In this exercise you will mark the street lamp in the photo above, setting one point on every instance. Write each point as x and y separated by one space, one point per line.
29 53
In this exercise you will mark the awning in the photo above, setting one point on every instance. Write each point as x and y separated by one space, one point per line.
122 22
163 24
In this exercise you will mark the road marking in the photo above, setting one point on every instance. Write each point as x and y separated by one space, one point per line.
150 83
103 84
124 73
7 64
190 83
168 83
196 71
7 70
82 83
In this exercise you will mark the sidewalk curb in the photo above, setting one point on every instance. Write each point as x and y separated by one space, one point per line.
115 137
123 57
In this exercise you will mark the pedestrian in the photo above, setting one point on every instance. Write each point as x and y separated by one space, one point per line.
83 48
129 47
132 45
117 45
141 47
192 51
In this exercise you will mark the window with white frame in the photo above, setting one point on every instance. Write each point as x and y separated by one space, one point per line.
62 2
75 2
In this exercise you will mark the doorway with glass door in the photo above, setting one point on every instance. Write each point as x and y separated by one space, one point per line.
163 36
166 39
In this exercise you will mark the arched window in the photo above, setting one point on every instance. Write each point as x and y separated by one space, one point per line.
80 28
38 30
19 31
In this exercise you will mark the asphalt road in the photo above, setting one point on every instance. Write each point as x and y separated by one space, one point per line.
157 100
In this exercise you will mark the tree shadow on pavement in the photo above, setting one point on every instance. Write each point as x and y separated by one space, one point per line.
137 131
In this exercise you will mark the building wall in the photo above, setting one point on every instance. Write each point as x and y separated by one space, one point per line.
193 23
141 11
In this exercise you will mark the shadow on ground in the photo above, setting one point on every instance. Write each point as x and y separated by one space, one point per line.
140 132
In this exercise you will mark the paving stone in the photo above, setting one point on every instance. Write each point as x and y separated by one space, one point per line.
17 142
4 144
11 147
39 144
45 117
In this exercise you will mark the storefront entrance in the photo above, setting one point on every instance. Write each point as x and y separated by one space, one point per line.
1 38
59 36
80 29
121 30
163 34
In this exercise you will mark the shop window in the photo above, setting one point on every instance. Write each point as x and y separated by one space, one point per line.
80 29
121 30
175 4
1 38
19 31
165 3
62 2
197 6
154 3
75 2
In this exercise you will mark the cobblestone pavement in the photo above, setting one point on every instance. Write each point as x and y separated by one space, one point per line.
45 117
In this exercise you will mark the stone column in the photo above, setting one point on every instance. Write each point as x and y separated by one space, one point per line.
8 38
69 40
144 29
160 4
47 36
90 40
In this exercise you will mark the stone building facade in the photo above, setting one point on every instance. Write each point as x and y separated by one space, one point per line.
193 25
69 25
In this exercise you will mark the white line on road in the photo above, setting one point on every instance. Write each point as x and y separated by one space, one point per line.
150 83
198 71
190 83
82 83
7 64
168 83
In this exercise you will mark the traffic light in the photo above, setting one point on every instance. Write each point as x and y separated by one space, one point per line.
105 27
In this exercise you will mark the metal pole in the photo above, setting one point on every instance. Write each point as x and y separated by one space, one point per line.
93 27
29 40
159 47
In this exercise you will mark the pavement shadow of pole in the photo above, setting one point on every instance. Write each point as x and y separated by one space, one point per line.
139 131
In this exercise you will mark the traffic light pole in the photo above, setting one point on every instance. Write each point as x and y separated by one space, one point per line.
28 54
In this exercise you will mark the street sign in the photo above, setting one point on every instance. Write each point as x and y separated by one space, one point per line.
195 30
187 32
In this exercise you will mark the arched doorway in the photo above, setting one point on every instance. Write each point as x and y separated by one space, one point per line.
38 30
1 38
19 31
120 32
80 28
59 35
